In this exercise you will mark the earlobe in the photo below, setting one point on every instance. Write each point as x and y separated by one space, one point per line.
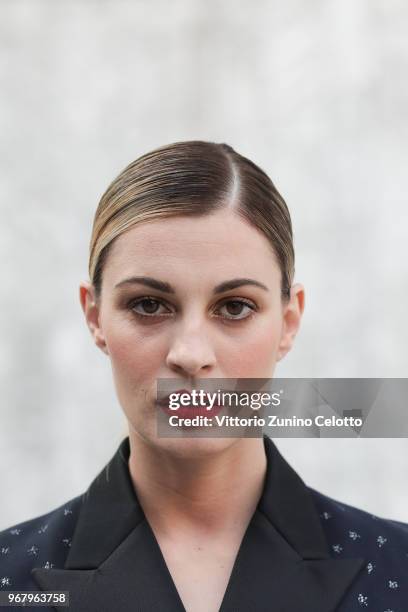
103 347
90 308
292 316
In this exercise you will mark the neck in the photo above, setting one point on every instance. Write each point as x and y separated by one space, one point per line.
213 492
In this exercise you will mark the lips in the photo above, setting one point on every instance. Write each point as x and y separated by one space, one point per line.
191 411
164 401
188 411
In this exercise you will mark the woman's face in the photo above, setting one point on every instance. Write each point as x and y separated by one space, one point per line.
190 327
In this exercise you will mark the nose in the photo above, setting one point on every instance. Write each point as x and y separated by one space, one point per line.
191 353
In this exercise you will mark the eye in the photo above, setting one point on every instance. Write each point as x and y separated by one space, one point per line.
149 305
236 307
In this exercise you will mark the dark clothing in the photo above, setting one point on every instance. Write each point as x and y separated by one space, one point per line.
302 552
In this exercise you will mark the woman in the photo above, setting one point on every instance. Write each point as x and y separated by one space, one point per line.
191 277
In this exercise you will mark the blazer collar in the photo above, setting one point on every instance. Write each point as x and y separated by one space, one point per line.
115 562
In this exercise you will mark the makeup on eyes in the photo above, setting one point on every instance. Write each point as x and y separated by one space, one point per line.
133 302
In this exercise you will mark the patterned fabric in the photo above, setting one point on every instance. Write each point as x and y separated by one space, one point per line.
40 542
381 585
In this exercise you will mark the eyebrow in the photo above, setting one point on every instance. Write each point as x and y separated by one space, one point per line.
153 283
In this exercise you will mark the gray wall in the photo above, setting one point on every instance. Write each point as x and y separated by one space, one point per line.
314 91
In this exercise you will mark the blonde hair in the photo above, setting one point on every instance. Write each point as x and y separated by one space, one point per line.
193 178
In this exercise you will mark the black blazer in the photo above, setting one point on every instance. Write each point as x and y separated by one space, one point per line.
302 552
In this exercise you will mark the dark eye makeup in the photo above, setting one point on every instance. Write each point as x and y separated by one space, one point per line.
150 303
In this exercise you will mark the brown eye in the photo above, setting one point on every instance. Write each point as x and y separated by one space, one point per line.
236 308
145 307
149 306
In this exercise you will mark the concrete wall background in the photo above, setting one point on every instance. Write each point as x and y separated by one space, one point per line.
314 92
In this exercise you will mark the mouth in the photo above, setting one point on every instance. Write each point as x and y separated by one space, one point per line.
190 410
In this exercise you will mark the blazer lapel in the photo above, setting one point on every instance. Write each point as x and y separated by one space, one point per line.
284 564
269 575
134 577
114 562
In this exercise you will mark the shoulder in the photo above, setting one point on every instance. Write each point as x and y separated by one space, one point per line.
43 541
381 542
355 525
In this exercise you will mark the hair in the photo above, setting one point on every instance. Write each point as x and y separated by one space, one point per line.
191 178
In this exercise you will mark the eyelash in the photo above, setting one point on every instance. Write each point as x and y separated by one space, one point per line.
131 305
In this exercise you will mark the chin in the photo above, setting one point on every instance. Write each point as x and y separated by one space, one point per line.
189 447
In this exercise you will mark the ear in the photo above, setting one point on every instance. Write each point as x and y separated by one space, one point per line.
292 315
90 307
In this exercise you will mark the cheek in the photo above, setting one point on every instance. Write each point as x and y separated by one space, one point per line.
134 358
257 352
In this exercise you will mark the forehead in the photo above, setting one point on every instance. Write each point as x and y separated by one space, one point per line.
214 245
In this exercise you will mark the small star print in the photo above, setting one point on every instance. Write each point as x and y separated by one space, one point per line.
381 541
15 531
362 600
48 565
